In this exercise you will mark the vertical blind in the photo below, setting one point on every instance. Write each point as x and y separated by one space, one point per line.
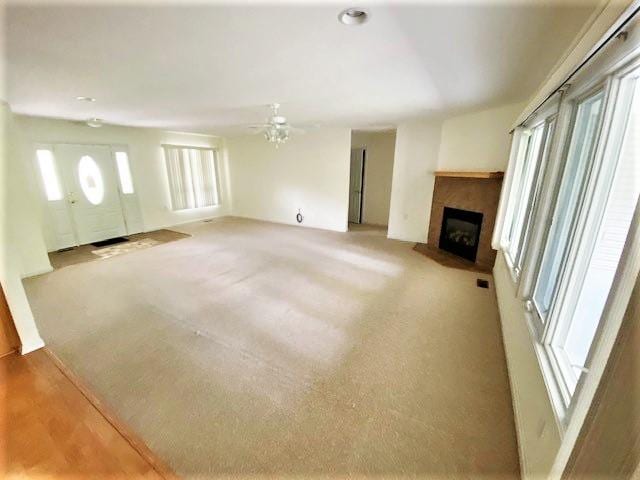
192 177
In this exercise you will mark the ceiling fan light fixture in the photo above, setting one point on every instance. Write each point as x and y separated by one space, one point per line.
276 134
353 16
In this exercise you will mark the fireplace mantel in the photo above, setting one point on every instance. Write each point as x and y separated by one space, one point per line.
467 174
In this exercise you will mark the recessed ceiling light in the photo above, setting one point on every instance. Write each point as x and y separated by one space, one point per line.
85 99
353 16
94 122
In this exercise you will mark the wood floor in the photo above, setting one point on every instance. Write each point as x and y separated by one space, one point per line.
9 341
50 429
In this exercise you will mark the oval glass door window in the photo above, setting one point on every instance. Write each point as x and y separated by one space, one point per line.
91 180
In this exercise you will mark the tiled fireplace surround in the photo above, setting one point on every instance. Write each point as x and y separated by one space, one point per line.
473 191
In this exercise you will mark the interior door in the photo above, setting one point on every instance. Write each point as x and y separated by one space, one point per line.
91 184
355 185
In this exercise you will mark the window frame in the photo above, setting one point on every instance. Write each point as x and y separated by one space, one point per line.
115 150
606 71
191 194
572 104
590 220
547 122
542 164
519 157
516 202
557 323
545 115
544 331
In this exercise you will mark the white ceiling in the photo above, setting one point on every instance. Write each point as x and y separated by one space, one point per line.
206 68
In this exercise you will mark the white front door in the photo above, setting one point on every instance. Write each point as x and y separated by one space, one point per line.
355 185
91 183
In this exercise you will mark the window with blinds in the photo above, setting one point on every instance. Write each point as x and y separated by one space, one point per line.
193 177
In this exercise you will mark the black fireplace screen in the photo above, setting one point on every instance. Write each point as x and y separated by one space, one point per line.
460 232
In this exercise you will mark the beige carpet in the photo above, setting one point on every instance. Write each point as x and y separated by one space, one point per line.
253 349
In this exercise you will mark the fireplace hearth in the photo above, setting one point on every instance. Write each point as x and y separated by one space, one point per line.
460 232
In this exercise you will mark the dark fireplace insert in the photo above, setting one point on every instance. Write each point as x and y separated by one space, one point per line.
460 232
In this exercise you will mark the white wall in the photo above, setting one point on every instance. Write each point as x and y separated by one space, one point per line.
478 140
378 174
147 167
10 256
310 172
415 160
538 434
599 25
15 239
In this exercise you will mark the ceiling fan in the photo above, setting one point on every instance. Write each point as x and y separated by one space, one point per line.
276 130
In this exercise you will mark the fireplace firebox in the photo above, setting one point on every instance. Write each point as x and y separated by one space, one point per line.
460 232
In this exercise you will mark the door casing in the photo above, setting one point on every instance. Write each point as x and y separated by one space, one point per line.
67 225
356 184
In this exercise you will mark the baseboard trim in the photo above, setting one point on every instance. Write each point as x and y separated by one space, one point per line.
515 394
10 352
168 226
392 236
31 346
159 465
292 224
37 272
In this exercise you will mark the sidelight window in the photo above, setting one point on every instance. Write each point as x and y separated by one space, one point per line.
124 172
46 162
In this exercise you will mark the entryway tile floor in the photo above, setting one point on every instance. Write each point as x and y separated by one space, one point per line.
90 253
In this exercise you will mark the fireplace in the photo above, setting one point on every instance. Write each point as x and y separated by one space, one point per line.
463 212
460 232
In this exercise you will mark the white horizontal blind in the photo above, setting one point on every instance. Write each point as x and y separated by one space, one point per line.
192 177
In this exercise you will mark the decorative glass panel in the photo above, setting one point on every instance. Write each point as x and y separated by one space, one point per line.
91 180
